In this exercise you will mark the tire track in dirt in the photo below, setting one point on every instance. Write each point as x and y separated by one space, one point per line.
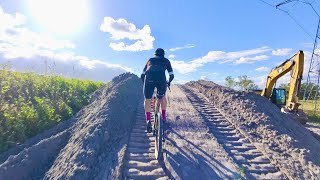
245 154
141 162
191 151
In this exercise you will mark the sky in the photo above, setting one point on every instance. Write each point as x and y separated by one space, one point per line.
209 39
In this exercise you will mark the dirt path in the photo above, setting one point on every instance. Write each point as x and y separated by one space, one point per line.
141 162
191 152
253 162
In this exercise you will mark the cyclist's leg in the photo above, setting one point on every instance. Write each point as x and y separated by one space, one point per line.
148 91
164 106
162 87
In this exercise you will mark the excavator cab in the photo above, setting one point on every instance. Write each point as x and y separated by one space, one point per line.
278 97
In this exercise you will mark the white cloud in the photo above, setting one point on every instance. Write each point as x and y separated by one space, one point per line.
282 52
182 47
204 78
185 67
171 56
68 66
214 56
237 57
15 39
121 29
263 68
250 60
26 50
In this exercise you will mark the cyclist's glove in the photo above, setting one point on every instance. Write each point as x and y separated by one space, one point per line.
171 78
142 77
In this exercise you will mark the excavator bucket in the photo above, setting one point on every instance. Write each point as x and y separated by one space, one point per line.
298 116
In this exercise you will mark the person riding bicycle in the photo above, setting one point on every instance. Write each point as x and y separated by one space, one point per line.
154 76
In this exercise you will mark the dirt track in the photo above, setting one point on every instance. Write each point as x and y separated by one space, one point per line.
214 133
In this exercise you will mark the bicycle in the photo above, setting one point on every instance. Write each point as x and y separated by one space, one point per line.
158 130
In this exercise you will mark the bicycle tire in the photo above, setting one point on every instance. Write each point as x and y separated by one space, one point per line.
158 137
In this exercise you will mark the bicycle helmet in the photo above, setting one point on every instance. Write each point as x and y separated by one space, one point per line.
159 52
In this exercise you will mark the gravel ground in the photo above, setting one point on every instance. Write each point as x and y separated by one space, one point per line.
286 143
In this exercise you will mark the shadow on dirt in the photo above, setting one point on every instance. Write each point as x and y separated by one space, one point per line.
204 164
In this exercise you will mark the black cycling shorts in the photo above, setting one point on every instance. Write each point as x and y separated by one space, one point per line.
152 82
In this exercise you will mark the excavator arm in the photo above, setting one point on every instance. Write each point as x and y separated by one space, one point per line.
295 81
274 75
296 68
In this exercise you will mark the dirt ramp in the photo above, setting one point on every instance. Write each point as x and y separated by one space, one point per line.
288 145
91 147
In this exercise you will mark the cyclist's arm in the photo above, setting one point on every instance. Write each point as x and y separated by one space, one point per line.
144 71
170 71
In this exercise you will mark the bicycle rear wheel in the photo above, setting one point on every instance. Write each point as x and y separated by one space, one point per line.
158 137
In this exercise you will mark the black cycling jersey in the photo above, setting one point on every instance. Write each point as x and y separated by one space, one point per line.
157 65
154 72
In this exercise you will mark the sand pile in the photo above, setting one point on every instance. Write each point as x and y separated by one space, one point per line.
90 145
288 144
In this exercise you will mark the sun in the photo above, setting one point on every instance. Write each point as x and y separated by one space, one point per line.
59 16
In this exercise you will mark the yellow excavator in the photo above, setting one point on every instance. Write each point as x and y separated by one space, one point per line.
278 95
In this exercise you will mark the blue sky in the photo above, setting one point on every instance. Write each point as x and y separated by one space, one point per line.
99 39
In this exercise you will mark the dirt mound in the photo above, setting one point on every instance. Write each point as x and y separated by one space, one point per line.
289 145
91 145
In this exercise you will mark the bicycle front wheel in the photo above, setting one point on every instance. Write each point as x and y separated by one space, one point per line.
158 138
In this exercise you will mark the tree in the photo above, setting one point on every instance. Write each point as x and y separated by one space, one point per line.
230 82
244 82
284 86
253 86
311 90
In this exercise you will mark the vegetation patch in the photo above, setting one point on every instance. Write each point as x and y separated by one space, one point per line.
31 103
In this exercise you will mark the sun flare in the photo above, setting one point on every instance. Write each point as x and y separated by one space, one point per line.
59 16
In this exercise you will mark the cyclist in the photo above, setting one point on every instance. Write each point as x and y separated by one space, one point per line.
154 76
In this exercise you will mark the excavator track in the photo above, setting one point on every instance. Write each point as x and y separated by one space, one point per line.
141 162
253 163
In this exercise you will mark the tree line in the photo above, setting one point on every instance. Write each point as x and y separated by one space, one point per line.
243 83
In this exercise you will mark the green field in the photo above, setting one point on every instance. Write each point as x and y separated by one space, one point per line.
31 103
308 108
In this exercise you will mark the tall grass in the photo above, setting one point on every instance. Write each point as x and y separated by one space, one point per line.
309 108
31 103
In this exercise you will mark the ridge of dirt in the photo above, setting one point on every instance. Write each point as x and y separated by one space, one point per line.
90 145
288 145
